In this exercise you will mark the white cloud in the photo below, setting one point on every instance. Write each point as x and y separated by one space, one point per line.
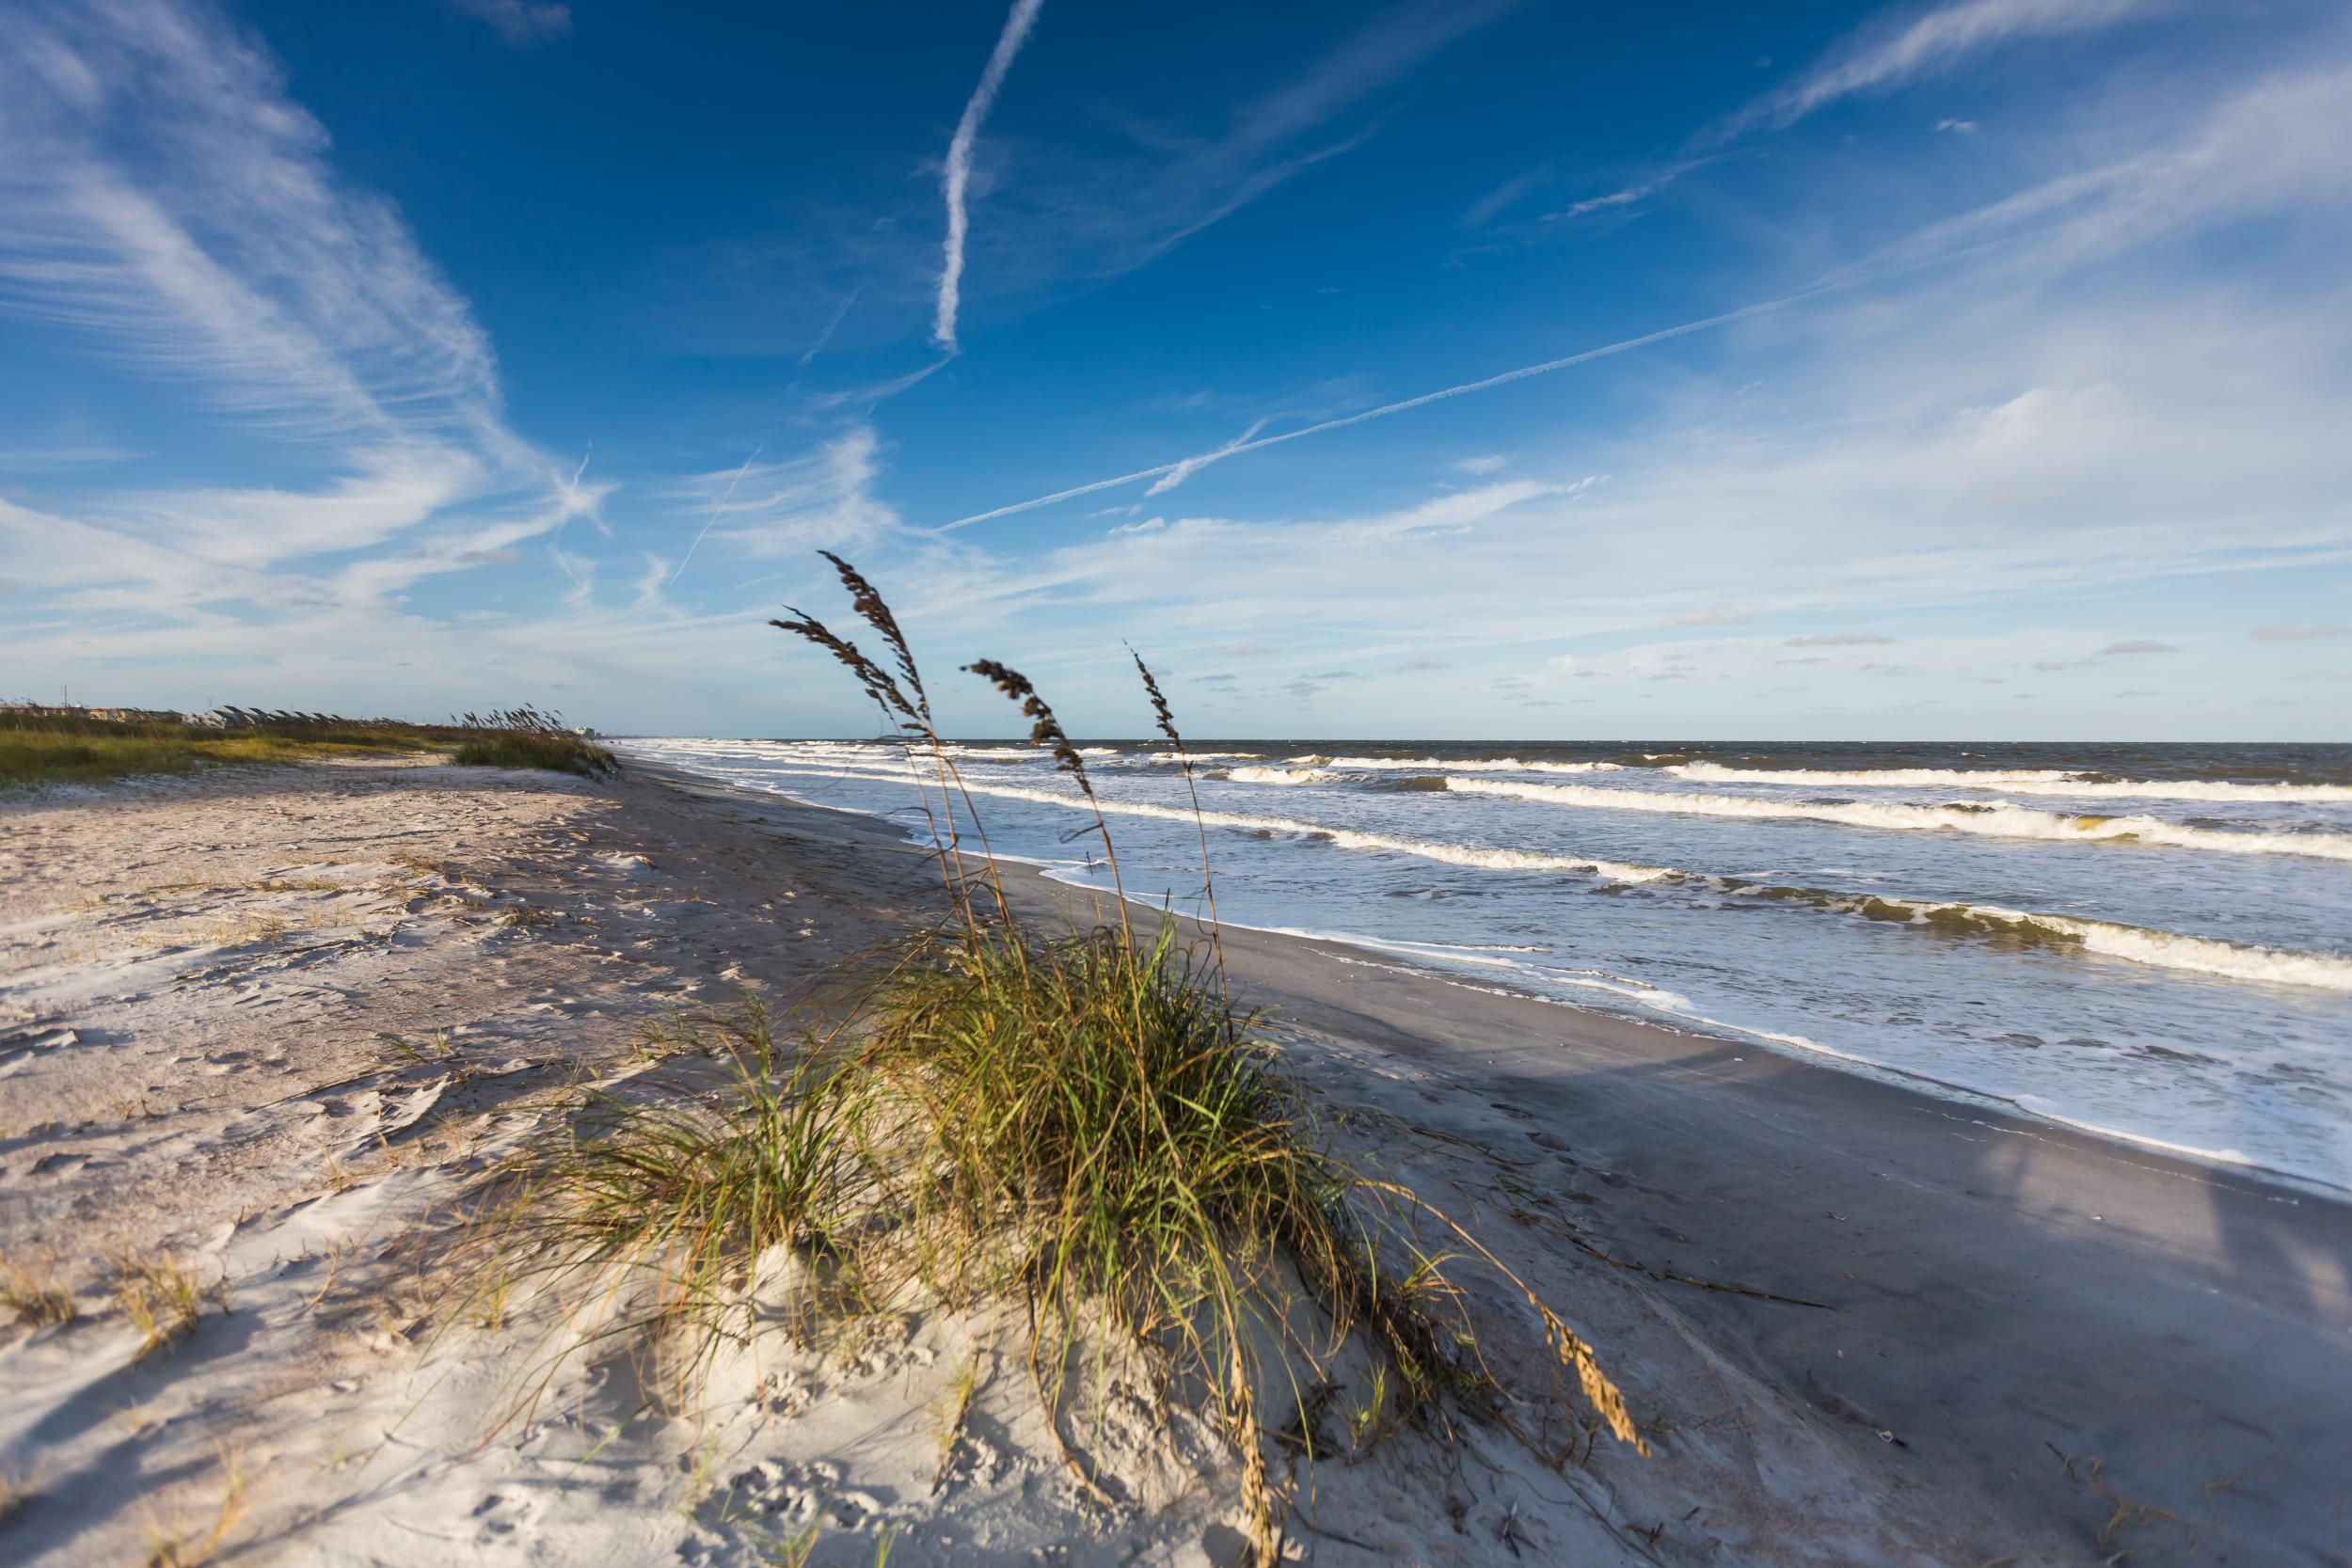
650 580
521 22
1625 197
1896 50
582 571
874 392
2268 148
1487 208
821 500
1491 462
164 201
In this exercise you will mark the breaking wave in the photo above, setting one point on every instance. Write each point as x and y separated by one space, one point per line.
2019 781
1999 819
2132 944
1284 775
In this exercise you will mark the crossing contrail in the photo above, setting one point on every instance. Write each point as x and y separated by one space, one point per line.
1187 464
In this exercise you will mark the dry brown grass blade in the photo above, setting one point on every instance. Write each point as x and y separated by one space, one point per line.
1603 1395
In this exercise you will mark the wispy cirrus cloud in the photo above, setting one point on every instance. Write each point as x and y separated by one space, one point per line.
165 202
162 198
1903 47
521 22
2270 147
823 498
955 175
165 199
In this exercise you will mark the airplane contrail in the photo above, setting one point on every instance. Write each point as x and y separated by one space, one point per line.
1189 464
717 507
957 172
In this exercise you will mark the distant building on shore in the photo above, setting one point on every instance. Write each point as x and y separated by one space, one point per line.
104 715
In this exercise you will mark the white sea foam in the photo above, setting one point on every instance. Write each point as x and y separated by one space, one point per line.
2206 956
1452 765
1995 819
1284 775
2021 781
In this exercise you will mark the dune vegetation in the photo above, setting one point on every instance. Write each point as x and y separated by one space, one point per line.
70 746
1084 1122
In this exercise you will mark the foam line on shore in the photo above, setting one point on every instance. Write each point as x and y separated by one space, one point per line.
1667 1010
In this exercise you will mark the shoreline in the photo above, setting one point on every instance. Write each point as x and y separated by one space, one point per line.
1862 1324
2000 1253
2293 1186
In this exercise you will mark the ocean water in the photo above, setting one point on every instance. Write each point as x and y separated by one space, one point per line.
2150 941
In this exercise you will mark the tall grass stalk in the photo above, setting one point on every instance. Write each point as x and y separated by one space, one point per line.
1164 717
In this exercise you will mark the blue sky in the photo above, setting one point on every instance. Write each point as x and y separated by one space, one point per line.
1973 370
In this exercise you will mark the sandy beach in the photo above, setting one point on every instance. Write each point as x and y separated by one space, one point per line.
274 1025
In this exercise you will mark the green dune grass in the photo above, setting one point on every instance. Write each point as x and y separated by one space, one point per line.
38 748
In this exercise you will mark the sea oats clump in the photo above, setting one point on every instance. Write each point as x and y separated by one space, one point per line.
1087 1123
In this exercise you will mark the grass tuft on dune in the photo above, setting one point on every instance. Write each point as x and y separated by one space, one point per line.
1083 1122
555 753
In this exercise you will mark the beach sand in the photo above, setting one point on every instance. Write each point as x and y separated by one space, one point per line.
274 1023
